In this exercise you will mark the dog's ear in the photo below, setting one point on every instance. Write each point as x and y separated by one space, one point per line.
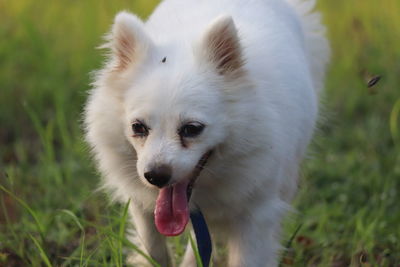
129 42
220 45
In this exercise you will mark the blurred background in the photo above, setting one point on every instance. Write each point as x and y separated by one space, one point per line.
51 215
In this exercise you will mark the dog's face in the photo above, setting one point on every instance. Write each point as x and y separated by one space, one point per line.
174 101
172 125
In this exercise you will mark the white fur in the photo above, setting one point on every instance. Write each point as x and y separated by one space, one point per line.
259 117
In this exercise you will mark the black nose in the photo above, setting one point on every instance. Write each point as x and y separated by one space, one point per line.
159 176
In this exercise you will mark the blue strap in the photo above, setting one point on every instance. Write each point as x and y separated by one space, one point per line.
202 236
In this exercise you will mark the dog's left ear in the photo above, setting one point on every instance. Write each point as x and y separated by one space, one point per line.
220 45
129 42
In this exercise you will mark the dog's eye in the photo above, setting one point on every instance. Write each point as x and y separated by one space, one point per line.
139 129
191 130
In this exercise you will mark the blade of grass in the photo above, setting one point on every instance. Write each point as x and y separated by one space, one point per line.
195 251
90 255
289 243
8 224
30 211
394 116
107 231
87 261
122 230
76 220
114 250
129 244
42 253
94 242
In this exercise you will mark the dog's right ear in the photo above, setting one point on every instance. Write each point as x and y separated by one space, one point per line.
220 45
128 41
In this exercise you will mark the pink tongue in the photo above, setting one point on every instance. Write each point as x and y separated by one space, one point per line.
172 211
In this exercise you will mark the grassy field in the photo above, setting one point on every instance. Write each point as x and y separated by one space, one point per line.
50 215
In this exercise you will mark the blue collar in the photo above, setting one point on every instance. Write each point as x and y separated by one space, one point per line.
203 237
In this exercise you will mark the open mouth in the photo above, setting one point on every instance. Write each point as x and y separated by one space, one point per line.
172 206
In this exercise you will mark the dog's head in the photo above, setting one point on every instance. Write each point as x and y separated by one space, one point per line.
174 95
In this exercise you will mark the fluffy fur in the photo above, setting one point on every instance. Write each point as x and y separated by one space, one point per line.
251 71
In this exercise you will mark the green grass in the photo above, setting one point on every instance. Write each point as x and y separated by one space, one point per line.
50 215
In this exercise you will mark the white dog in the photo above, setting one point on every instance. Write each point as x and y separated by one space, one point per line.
232 81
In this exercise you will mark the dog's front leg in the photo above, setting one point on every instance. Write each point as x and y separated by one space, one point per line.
254 243
189 260
149 239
